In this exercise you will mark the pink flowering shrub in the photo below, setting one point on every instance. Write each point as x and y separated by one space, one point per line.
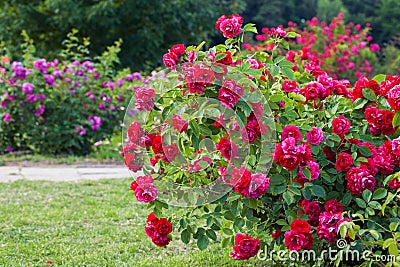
64 105
263 156
343 51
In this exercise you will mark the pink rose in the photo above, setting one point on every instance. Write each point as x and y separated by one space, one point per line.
228 150
170 59
291 131
359 179
179 124
340 126
315 136
7 117
393 97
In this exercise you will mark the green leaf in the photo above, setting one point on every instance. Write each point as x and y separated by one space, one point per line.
396 119
361 203
367 195
359 103
379 193
253 203
276 97
393 249
211 234
288 197
227 231
202 242
292 35
250 27
369 94
288 73
375 205
219 57
185 236
285 64
346 199
374 234
297 97
274 70
318 191
239 223
370 211
307 173
365 151
251 98
225 242
306 193
379 78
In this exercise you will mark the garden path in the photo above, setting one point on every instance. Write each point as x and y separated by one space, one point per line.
63 172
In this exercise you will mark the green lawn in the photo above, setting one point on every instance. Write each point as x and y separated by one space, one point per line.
88 223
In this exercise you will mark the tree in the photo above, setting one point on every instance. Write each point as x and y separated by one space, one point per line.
148 28
329 9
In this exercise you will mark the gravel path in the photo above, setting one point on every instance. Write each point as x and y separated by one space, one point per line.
63 172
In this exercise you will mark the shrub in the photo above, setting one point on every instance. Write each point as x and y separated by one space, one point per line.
266 157
63 106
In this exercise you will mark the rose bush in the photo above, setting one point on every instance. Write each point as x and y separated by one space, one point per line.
343 51
265 155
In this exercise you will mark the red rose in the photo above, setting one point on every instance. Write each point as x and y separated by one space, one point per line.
290 86
129 160
161 240
384 163
170 59
128 148
230 28
361 84
300 226
156 144
389 83
245 247
333 206
291 131
152 219
340 126
134 132
359 179
394 184
276 234
227 60
178 49
163 226
227 149
344 162
313 91
296 241
179 124
218 23
158 229
171 151
240 180
312 209
393 97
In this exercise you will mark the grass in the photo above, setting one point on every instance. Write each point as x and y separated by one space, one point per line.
88 223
